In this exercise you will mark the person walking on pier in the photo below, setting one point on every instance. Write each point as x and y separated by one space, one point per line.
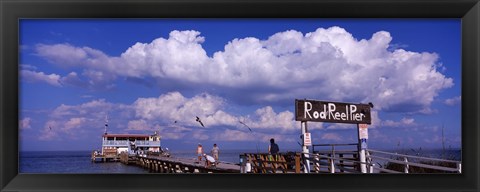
215 151
199 152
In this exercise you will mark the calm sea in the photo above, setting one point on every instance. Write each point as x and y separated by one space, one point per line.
69 162
79 161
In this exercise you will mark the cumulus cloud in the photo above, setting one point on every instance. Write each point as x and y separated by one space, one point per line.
174 107
267 118
73 79
242 135
97 80
33 76
402 123
99 108
73 123
172 114
328 62
25 123
138 125
453 101
49 131
28 67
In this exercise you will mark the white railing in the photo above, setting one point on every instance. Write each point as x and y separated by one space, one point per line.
335 164
332 163
127 143
115 143
147 143
409 161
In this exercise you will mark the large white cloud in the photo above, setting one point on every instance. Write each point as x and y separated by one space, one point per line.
324 64
172 114
174 108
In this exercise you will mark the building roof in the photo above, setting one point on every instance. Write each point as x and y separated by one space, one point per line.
126 135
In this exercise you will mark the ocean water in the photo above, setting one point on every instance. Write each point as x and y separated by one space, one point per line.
69 162
78 162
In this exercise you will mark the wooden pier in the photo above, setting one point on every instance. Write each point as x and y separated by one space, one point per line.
109 155
159 164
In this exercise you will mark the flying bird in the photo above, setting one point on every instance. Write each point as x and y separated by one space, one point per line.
175 122
245 126
200 121
50 127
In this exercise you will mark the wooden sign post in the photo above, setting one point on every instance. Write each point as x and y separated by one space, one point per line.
334 112
362 142
305 150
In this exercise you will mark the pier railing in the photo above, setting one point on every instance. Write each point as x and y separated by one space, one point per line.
332 158
126 143
341 161
147 143
335 162
115 143
408 162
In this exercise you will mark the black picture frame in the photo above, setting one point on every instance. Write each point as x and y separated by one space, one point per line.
13 10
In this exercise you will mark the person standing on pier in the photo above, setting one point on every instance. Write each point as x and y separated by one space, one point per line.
199 152
273 148
215 151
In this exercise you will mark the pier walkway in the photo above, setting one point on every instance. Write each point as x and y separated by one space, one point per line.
160 164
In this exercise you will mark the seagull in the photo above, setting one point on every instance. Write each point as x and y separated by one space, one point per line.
50 127
245 126
175 122
198 120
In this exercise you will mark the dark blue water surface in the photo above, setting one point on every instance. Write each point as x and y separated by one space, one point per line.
69 162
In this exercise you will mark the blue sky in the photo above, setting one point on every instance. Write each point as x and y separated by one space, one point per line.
147 74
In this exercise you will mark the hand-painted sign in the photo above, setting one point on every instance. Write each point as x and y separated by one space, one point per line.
363 131
333 112
307 139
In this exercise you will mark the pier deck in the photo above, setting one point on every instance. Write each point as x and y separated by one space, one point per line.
161 164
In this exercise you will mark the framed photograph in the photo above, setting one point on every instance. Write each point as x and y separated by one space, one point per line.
239 95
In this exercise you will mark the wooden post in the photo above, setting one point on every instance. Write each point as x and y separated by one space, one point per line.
297 163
